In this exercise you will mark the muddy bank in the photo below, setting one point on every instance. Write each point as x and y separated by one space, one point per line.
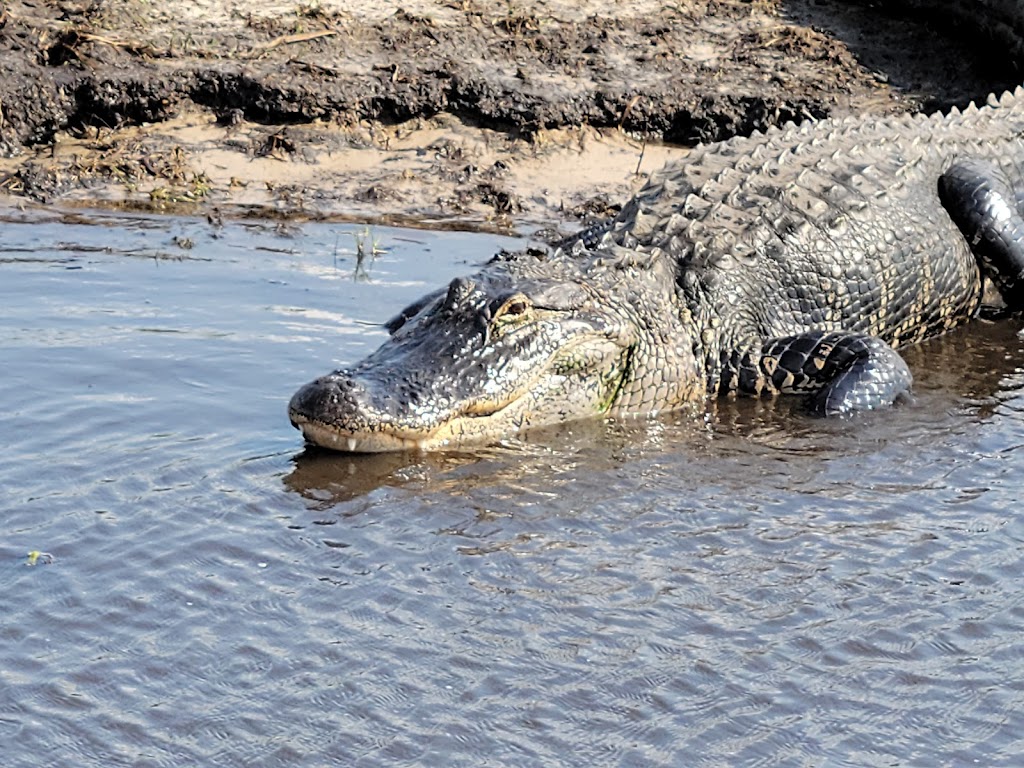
502 113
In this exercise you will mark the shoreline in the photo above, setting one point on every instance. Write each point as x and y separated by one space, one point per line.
474 114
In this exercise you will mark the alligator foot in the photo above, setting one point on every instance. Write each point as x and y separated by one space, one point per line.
842 372
979 198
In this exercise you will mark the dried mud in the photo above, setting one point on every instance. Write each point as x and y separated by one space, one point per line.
477 112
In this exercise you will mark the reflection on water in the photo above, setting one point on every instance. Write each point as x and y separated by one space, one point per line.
745 586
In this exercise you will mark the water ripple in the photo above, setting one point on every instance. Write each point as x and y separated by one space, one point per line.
754 588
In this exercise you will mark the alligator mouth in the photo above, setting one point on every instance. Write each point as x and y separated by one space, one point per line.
465 427
326 436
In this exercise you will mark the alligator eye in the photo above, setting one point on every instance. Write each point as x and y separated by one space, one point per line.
514 306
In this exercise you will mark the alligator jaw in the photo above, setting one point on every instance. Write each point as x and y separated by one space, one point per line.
446 435
370 442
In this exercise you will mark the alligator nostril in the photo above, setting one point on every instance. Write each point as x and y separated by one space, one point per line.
325 399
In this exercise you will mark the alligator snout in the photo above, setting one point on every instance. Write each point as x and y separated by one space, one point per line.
349 413
331 398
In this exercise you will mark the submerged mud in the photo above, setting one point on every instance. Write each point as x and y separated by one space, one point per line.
480 110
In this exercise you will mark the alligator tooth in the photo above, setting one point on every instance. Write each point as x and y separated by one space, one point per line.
351 445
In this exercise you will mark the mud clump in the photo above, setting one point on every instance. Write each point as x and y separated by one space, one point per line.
479 111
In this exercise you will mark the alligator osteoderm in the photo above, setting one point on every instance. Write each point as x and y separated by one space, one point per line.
793 261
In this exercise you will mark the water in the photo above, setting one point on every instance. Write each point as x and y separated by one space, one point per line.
750 588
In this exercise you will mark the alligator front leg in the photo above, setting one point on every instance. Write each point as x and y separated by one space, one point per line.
842 372
979 198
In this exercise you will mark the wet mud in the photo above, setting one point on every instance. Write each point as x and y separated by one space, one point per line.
498 114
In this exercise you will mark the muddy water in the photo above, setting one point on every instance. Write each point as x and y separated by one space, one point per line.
750 588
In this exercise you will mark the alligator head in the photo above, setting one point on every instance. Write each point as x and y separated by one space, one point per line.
529 340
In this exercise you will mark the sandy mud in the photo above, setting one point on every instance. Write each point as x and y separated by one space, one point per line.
491 113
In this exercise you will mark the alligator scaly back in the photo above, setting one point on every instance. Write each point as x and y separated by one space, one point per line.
827 226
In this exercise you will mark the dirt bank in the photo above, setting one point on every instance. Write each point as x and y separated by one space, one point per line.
495 112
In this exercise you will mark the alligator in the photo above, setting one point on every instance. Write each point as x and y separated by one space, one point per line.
796 260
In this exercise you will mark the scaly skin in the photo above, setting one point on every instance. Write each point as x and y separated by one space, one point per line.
790 261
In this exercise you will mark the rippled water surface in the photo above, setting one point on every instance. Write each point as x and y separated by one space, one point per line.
753 588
